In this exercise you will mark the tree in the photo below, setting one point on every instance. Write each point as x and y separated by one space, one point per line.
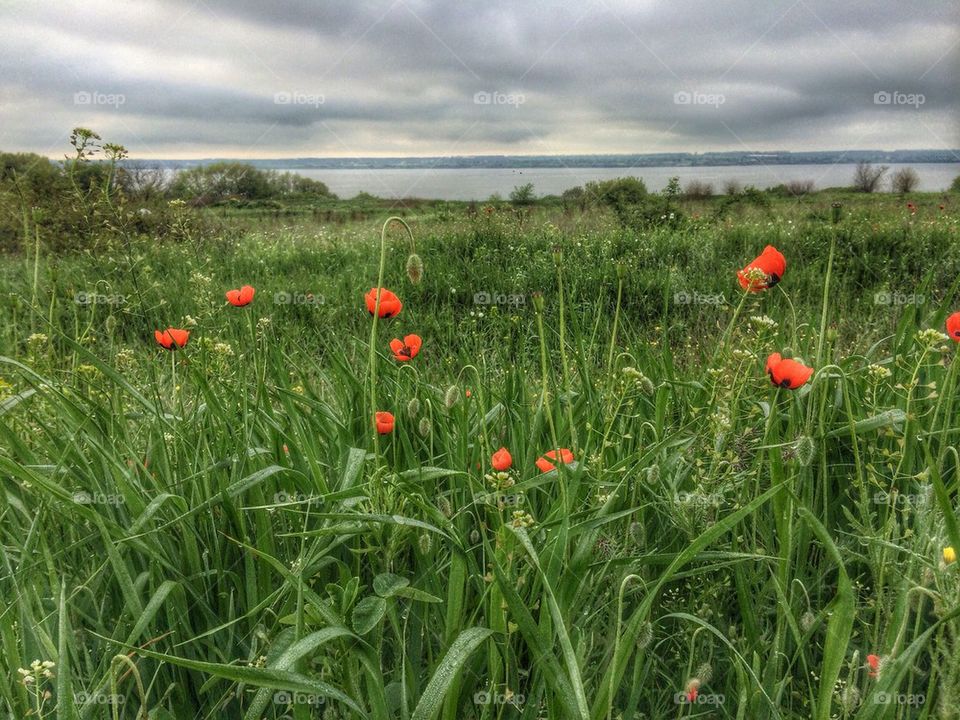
905 180
522 195
866 178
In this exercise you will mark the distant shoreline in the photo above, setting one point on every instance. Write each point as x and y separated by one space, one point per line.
520 162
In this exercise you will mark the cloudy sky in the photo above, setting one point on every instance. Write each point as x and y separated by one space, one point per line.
249 78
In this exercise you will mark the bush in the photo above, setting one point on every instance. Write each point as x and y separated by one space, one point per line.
617 192
698 190
955 187
523 195
866 178
904 180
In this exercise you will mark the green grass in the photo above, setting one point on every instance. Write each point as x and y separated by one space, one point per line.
209 532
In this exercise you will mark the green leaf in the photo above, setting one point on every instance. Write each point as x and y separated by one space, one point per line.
367 613
448 669
387 584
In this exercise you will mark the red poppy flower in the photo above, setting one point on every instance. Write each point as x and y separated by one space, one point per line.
241 296
172 338
501 460
692 694
953 326
384 422
787 373
390 305
873 661
942 208
771 263
912 208
566 457
407 348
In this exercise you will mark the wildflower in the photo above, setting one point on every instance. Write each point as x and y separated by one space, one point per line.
522 519
762 322
877 373
544 464
873 662
172 338
693 689
241 296
384 422
765 271
953 326
501 460
932 337
389 304
787 373
912 208
949 555
406 349
414 268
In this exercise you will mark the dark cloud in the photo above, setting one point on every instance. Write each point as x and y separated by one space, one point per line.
243 77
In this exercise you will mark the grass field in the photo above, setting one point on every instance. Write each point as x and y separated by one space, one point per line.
219 531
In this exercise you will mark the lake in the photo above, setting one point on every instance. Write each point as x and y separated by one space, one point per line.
481 183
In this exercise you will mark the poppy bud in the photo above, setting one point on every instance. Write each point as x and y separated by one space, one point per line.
644 636
445 508
424 427
806 449
653 474
413 408
425 542
451 396
474 536
111 324
414 268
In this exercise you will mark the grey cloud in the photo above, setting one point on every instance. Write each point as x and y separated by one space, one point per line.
401 76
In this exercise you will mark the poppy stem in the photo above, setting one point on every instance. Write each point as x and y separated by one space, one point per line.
372 367
826 301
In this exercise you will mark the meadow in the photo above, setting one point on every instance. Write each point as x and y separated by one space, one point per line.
222 529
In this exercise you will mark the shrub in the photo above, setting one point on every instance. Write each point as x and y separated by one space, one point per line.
904 180
866 178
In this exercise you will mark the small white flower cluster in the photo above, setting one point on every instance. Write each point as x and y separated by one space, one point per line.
38 670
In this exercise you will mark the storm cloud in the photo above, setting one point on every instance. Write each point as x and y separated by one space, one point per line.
244 78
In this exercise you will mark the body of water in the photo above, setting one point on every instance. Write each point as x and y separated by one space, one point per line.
480 184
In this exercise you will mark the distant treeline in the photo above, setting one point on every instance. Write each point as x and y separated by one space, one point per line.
201 185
